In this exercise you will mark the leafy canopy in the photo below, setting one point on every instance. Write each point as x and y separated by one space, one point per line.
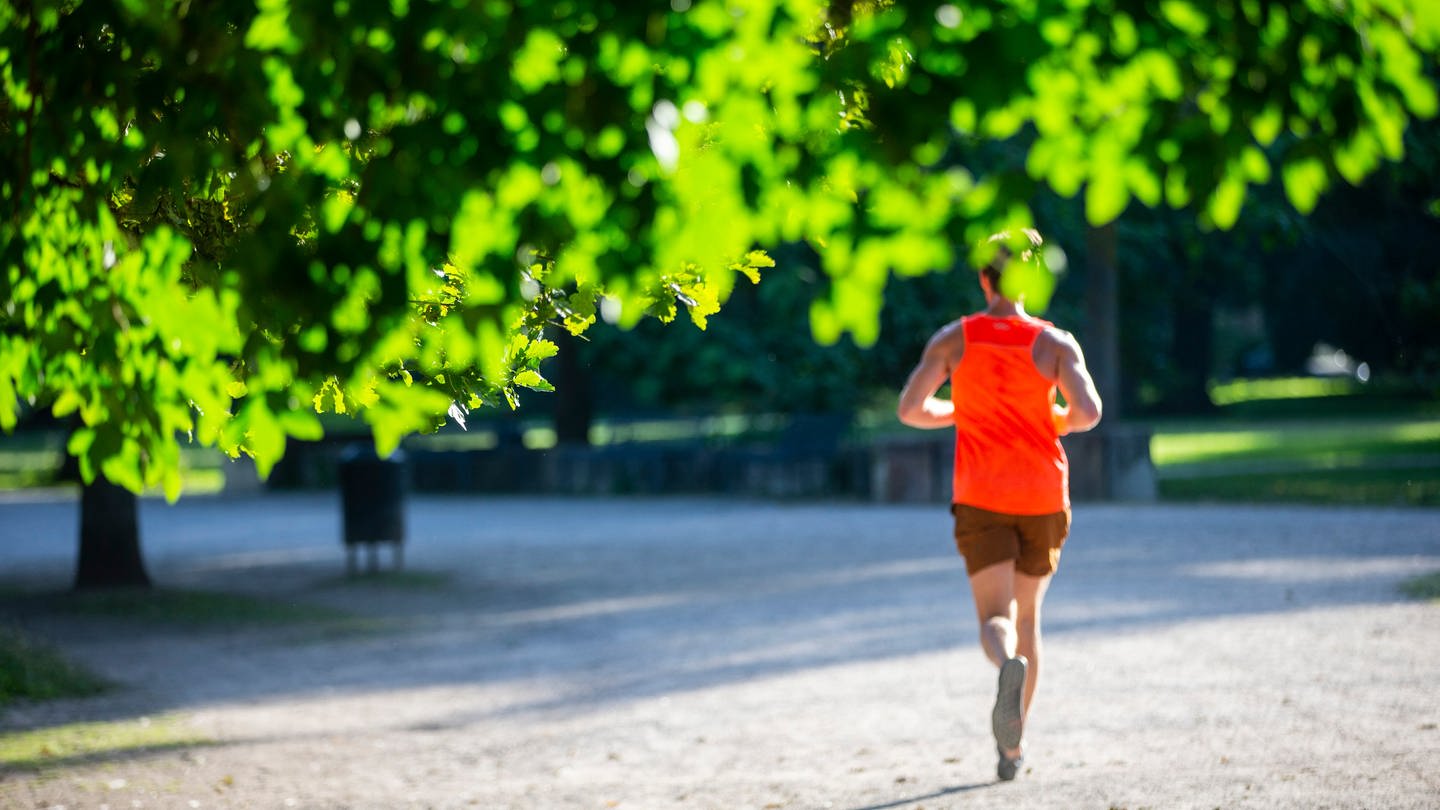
219 220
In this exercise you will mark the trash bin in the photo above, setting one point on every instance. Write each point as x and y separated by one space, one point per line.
372 503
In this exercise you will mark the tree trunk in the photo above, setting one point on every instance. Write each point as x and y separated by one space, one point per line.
1102 308
1193 348
574 403
109 538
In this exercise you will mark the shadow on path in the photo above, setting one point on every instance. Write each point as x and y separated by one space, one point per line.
609 600
939 794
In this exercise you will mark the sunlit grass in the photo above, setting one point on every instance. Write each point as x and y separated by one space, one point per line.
1304 440
34 671
1335 440
75 743
1236 391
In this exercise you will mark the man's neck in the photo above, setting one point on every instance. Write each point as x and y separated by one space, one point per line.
1002 307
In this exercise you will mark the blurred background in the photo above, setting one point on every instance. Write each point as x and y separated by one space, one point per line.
1290 358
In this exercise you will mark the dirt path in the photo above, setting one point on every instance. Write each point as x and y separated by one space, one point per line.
713 654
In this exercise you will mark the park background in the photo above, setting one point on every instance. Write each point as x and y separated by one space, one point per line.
1290 358
1287 361
1255 340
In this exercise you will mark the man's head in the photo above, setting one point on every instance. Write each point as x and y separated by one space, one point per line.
1027 243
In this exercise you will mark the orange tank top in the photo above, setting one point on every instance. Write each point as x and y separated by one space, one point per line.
1008 456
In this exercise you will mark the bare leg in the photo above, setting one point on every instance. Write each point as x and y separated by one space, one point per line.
1029 594
993 588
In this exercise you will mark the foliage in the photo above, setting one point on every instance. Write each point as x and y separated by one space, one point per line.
760 357
219 220
1362 273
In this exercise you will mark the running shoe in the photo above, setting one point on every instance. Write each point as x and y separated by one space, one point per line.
1007 768
1008 718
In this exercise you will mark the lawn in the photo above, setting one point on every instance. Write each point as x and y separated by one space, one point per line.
1311 444
1317 448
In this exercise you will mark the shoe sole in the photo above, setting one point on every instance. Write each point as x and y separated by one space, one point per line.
1008 717
1007 769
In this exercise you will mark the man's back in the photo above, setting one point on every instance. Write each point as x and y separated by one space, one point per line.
1008 456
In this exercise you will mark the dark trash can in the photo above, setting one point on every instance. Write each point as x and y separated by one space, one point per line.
372 503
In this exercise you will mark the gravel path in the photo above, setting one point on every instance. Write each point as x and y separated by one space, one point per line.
718 654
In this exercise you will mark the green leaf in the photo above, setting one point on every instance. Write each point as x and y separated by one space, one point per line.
532 380
541 350
1185 16
1030 282
264 435
824 325
122 467
1226 202
303 426
1105 195
270 30
1304 179
537 63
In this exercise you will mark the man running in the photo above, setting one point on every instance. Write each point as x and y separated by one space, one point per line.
1011 485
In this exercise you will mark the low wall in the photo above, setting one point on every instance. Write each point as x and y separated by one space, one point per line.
1109 464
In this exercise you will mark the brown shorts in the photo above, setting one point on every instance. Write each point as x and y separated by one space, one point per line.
1032 541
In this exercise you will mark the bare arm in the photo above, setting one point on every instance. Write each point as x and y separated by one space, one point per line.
919 406
1083 407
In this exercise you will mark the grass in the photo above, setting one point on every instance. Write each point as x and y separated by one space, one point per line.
1243 391
77 743
1361 460
1331 440
1425 587
1303 441
1377 487
33 671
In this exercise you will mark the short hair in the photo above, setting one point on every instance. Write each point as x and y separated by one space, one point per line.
1004 251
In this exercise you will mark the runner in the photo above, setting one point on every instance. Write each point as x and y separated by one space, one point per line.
1011 485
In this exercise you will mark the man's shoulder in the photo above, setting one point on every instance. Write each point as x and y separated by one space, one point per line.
948 343
950 332
1056 336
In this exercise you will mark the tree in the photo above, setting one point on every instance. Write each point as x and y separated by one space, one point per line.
1368 251
109 538
218 222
